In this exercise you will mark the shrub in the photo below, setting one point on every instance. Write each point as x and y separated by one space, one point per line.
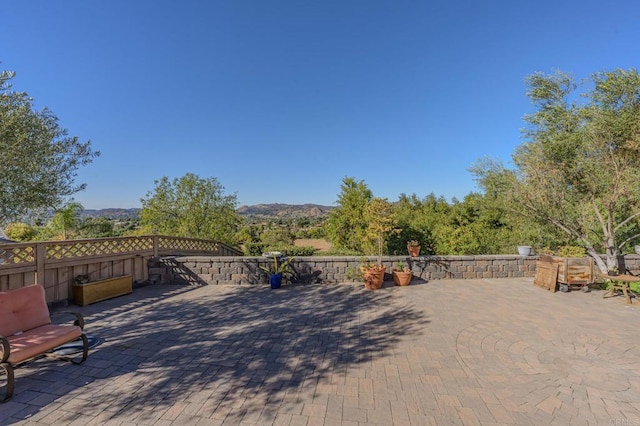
296 251
571 251
255 249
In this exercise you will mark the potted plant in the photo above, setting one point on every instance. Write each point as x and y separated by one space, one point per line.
381 219
278 269
401 274
413 247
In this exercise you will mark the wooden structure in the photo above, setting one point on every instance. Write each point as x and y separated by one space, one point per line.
546 275
55 264
567 270
97 291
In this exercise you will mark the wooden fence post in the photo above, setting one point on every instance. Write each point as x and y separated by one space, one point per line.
41 258
156 244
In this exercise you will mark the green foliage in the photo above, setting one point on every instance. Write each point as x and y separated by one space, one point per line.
19 231
579 169
296 251
565 251
190 207
95 227
400 266
347 225
65 221
255 249
279 266
317 232
381 220
339 252
39 160
276 237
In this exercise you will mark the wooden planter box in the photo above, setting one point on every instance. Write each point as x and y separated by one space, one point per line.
96 291
551 270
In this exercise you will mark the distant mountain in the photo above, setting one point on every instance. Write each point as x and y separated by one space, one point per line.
112 213
277 211
285 211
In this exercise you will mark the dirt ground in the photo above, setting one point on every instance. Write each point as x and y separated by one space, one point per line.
322 245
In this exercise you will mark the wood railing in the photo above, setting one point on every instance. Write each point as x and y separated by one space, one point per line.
56 264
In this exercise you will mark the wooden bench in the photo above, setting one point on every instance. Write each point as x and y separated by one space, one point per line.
26 332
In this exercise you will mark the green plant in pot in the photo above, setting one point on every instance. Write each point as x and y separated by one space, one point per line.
401 274
413 247
278 269
381 219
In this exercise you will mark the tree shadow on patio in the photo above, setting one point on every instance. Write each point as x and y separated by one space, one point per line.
240 353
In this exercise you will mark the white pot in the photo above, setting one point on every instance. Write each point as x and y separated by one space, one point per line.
636 249
524 250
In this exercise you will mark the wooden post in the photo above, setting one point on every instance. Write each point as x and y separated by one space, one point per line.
156 244
41 258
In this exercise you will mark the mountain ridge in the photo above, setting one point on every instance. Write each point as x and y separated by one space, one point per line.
274 210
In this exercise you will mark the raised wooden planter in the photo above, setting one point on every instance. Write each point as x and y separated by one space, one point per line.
96 291
565 270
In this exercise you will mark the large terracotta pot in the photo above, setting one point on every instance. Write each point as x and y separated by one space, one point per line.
374 277
402 278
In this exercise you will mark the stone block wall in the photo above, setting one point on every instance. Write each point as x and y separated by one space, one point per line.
243 270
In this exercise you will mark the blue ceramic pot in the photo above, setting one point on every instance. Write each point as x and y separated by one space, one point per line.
275 280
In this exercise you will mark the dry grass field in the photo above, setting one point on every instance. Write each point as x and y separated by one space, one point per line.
320 244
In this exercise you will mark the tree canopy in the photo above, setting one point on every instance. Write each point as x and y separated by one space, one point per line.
38 160
579 167
347 224
190 206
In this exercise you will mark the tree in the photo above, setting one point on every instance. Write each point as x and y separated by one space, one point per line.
381 221
95 227
190 207
579 168
417 220
65 220
347 225
38 161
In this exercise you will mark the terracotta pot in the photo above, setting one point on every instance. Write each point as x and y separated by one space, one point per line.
402 278
414 251
374 277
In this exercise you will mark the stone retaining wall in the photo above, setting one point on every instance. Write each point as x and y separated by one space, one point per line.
246 270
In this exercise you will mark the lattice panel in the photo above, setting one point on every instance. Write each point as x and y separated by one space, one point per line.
16 255
77 249
187 244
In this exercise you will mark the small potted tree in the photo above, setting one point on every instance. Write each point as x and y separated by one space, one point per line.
277 269
381 220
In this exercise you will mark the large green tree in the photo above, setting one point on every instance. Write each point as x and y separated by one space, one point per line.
65 220
579 167
347 224
38 160
190 206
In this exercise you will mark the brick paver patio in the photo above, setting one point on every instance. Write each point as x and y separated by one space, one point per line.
446 352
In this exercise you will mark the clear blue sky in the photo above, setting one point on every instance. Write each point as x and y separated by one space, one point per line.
279 100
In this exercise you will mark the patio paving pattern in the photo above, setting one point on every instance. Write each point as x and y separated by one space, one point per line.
448 352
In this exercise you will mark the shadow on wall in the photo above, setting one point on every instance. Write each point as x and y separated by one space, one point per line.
247 345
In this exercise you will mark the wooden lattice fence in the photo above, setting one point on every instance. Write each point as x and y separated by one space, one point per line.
55 264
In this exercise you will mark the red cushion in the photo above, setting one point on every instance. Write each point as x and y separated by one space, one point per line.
22 310
42 339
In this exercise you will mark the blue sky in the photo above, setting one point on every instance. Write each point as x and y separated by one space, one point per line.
280 100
